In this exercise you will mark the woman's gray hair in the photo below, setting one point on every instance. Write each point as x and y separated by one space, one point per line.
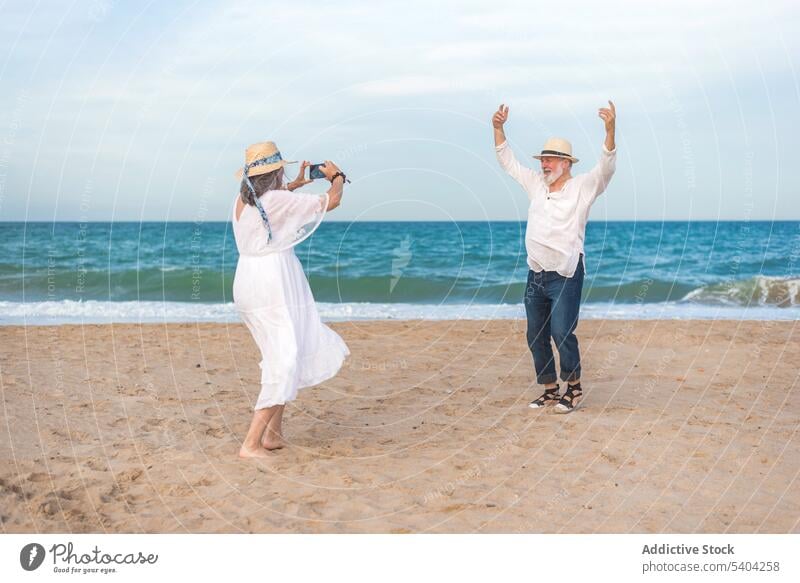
261 184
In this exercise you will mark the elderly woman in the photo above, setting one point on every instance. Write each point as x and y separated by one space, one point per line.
271 292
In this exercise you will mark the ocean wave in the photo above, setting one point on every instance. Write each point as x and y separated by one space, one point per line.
104 312
639 291
209 286
757 291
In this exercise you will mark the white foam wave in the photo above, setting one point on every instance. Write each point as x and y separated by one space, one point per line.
101 312
761 290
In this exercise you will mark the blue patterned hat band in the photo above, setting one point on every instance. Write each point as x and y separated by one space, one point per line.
276 157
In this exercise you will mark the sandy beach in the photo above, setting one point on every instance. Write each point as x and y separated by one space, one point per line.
687 426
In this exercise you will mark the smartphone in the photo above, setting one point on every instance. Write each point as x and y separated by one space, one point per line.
314 171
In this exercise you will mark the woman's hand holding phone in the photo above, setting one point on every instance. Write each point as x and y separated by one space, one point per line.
301 179
329 169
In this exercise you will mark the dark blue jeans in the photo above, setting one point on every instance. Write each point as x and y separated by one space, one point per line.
552 304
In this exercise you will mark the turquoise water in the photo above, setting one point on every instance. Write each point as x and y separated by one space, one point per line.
59 272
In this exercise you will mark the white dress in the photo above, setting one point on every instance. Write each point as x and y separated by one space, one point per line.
273 298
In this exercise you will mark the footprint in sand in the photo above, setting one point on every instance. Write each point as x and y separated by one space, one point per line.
129 476
74 436
456 507
153 423
177 490
217 432
119 422
97 465
64 495
609 457
50 508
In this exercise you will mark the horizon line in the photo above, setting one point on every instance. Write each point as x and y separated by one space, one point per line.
23 221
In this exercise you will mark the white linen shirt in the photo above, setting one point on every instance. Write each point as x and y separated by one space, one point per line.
557 220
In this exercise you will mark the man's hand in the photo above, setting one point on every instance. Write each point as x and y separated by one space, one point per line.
301 179
609 117
500 117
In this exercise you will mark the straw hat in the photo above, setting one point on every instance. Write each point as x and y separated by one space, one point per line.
262 158
558 148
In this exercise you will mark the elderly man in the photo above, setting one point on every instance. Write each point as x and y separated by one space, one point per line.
557 215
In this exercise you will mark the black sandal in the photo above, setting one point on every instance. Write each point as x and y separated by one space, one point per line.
549 397
570 399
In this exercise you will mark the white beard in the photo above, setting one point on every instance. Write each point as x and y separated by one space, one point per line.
553 175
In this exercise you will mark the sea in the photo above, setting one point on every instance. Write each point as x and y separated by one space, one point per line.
143 272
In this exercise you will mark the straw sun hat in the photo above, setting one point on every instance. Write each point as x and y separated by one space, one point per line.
558 148
262 158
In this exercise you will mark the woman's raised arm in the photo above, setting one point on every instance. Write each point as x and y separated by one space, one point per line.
337 184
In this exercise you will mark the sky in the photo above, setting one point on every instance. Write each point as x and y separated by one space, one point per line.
141 111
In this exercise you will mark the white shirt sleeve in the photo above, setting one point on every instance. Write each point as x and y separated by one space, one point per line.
597 179
527 177
292 216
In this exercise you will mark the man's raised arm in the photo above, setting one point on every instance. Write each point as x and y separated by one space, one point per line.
597 178
609 116
498 119
505 157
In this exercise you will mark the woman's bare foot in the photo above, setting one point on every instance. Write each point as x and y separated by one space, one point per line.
246 452
273 443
